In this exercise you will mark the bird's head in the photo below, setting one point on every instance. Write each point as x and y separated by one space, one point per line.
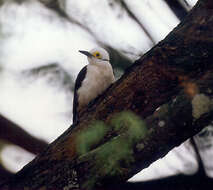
96 56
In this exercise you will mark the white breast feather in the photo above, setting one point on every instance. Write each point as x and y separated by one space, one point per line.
98 78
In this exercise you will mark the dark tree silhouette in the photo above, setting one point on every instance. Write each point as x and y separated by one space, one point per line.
14 134
177 8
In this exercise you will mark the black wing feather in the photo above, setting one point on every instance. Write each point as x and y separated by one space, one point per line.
78 82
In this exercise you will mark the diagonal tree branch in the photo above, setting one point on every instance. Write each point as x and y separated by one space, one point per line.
56 7
13 133
4 174
176 75
132 15
177 8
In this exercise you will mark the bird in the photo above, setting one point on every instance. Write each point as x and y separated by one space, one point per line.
92 80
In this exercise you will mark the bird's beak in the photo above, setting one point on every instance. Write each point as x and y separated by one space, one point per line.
88 54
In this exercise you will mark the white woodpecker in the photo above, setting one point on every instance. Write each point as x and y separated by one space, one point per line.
92 80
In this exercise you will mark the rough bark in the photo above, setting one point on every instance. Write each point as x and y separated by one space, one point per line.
175 75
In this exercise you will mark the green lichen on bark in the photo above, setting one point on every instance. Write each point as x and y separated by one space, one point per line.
133 126
201 104
115 156
90 137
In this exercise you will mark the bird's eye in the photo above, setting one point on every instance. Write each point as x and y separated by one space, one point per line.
97 55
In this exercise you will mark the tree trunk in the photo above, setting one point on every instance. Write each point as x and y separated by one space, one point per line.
174 76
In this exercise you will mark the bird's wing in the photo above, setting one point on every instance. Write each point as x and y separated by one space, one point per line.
78 82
